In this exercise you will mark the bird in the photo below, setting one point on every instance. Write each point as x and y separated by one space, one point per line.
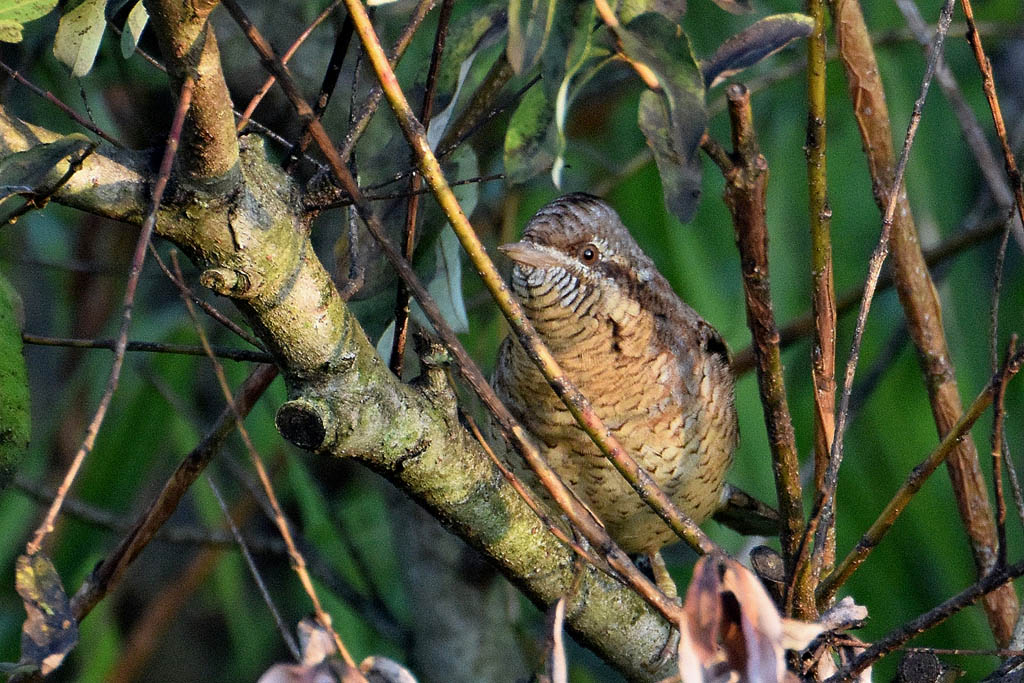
655 372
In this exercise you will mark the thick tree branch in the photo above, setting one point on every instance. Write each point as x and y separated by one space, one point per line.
255 248
111 182
209 150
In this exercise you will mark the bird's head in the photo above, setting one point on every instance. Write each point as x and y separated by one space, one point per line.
575 250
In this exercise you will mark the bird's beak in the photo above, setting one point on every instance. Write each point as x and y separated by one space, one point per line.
530 254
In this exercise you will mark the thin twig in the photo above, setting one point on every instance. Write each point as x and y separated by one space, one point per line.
282 628
241 355
913 483
746 181
989 86
106 575
815 534
371 607
563 497
823 295
997 288
998 577
327 86
53 99
412 207
254 102
297 560
128 303
998 445
1018 498
400 194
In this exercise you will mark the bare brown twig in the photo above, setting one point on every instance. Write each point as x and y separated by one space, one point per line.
241 355
916 291
998 446
53 99
243 119
746 175
106 575
823 295
412 207
327 85
594 532
297 560
989 86
145 234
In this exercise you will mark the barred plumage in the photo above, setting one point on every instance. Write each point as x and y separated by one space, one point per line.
655 371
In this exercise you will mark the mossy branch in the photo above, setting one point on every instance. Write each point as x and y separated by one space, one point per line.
254 248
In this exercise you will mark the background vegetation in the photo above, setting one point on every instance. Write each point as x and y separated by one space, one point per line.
70 269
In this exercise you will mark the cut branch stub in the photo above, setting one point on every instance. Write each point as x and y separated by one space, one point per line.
302 421
228 282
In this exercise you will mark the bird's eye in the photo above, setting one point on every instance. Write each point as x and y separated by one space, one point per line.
589 254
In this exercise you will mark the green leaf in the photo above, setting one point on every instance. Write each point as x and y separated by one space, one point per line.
673 10
39 168
79 34
446 284
51 631
565 66
748 47
133 26
655 41
570 87
25 10
15 420
528 35
446 287
467 35
529 140
535 140
674 119
10 31
14 13
674 144
735 6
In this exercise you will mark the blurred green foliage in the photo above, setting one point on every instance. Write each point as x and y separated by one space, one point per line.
70 270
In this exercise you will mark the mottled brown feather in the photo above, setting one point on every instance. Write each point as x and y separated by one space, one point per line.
655 371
